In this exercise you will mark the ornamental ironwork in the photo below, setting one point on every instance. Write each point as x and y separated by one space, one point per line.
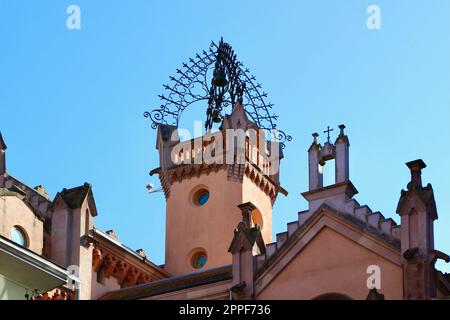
219 79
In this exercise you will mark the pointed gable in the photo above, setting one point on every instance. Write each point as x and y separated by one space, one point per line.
75 197
238 119
425 196
329 242
247 238
14 191
415 190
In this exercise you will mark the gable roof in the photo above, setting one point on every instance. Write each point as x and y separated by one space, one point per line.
171 284
233 120
247 238
343 223
357 223
5 192
75 197
425 194
16 192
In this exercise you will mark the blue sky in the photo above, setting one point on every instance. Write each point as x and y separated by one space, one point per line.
71 102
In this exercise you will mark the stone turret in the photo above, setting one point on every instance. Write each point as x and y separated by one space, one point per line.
417 209
72 219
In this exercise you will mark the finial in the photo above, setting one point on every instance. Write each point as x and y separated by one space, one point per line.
416 164
416 167
341 128
315 135
342 137
328 133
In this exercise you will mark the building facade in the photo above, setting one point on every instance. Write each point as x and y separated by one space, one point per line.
219 231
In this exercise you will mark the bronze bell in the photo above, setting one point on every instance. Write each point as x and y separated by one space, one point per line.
217 117
219 78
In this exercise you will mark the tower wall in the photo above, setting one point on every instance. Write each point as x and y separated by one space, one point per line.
190 227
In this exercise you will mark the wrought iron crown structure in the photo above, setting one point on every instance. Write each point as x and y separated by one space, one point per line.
230 83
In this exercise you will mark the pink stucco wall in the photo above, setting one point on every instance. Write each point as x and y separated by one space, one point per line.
332 263
14 212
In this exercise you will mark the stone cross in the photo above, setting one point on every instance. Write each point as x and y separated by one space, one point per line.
328 133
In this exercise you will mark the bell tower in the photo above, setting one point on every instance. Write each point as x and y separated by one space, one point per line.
204 179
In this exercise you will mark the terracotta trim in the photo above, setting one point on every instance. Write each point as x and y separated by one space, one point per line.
115 248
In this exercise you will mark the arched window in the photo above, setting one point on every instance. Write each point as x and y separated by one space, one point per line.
19 236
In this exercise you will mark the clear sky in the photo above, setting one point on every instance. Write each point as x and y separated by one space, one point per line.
71 101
